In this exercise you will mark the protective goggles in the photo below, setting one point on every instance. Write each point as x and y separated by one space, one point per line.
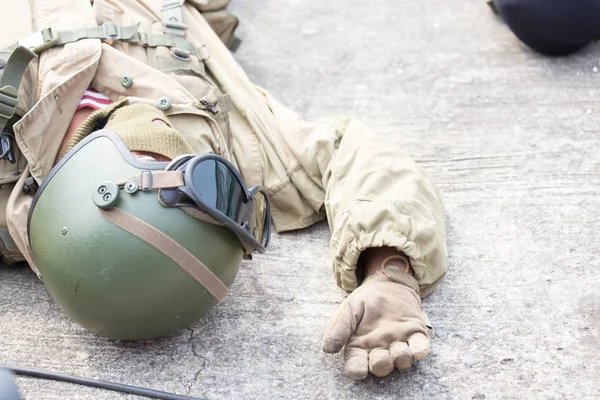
209 188
213 185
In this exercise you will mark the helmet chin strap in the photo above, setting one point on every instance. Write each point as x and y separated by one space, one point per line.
168 247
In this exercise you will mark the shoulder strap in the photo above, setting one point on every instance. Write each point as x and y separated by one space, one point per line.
11 80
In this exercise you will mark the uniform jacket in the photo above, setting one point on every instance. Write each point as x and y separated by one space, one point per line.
371 193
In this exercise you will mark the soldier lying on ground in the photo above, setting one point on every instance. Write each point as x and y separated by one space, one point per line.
134 123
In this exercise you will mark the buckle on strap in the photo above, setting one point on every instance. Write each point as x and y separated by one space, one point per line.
145 182
9 97
173 18
172 4
111 31
6 146
40 41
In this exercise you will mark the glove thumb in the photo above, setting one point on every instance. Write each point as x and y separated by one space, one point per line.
341 326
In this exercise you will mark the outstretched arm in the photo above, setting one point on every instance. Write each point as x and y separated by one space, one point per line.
373 195
388 240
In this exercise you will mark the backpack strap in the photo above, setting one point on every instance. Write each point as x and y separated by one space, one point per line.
10 80
130 34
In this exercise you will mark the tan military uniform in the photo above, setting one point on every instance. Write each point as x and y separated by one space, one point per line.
371 193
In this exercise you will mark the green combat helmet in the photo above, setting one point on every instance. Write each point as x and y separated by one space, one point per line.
137 250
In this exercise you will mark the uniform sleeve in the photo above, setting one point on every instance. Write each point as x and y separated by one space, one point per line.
373 194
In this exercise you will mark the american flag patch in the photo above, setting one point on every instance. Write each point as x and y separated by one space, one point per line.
93 99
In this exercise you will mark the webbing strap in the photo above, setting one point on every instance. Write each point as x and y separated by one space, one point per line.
172 16
48 37
152 180
106 31
129 34
168 247
11 80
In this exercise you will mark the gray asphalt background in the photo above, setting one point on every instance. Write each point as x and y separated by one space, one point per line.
512 141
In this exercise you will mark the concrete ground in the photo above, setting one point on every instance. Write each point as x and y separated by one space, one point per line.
512 141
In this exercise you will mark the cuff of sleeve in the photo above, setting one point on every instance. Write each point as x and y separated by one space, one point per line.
367 224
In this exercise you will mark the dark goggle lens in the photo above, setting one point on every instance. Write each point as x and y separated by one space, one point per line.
219 187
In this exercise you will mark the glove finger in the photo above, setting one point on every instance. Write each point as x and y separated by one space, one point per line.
341 327
402 355
419 345
357 363
380 362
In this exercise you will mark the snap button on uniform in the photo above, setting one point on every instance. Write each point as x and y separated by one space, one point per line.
163 103
126 81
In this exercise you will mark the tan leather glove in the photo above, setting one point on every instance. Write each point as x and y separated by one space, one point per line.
382 325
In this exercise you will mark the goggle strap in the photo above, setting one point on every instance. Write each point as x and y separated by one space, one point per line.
247 249
169 247
200 215
205 217
154 180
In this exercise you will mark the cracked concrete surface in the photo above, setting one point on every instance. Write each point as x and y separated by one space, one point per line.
512 141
